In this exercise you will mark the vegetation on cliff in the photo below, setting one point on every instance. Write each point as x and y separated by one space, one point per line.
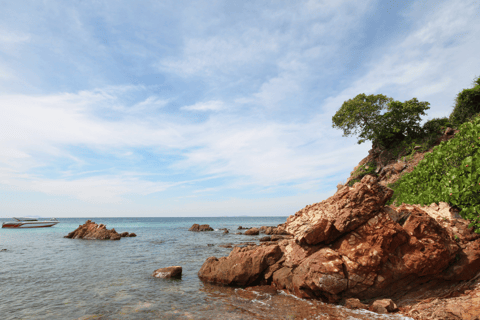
450 173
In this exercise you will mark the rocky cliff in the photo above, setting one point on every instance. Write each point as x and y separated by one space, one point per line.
353 246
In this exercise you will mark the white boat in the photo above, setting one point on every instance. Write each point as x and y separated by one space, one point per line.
29 223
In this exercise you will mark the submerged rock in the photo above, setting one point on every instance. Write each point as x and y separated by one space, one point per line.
92 231
204 227
169 272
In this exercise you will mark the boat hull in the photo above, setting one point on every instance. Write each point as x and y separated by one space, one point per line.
36 224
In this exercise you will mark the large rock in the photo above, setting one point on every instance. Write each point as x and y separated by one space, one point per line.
252 232
92 231
204 227
242 267
349 208
352 246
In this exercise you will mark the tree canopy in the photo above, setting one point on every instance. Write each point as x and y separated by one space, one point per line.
380 119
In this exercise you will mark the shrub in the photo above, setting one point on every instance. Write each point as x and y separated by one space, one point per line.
467 104
450 173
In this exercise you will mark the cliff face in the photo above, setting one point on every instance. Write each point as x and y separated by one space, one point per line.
353 246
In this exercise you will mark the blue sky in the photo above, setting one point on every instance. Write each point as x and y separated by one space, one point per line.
207 108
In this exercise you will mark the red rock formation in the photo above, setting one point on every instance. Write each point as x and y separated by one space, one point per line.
169 272
92 231
242 267
343 212
204 227
252 232
352 246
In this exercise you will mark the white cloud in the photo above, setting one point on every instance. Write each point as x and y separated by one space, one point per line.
212 105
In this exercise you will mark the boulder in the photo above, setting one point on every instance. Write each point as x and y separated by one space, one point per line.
353 303
131 235
204 227
252 232
345 211
276 231
169 272
124 234
383 306
242 267
266 238
92 231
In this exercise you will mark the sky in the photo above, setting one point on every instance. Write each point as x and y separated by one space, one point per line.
207 108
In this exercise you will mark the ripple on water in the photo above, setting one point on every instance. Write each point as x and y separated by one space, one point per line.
45 276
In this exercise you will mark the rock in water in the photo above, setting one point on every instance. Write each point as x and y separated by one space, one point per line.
92 231
169 272
204 227
252 232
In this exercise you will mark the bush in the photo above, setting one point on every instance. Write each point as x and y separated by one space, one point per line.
450 173
436 126
467 104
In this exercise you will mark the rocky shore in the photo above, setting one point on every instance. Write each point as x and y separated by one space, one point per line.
352 246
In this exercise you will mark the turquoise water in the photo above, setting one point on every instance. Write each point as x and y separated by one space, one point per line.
45 276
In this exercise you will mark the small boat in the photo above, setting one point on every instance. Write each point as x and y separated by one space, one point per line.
29 223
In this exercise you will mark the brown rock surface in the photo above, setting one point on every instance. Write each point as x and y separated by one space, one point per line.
343 212
197 228
242 267
252 232
352 246
169 272
354 303
383 306
92 231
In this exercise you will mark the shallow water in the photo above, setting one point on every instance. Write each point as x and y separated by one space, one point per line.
45 276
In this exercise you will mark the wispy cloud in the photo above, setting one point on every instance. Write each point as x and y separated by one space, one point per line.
118 107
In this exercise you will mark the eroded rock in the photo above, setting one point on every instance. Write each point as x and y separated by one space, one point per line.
197 228
242 267
365 250
346 210
92 231
252 232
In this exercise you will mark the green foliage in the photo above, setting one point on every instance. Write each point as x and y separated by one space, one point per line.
450 173
363 170
436 125
380 119
467 104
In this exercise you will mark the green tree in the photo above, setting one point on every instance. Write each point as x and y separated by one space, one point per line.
380 119
467 104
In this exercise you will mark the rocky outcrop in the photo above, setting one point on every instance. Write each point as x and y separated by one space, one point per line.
352 246
169 272
252 232
242 267
92 231
204 227
343 212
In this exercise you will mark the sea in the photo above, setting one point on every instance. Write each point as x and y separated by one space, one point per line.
46 276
